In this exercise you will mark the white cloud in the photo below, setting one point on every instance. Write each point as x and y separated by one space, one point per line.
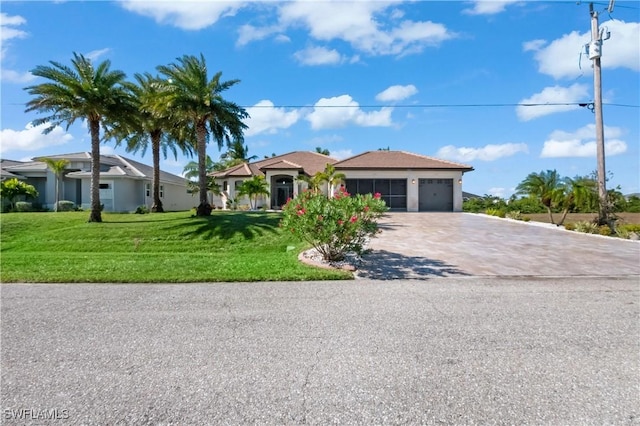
248 33
186 15
95 54
341 154
341 111
486 153
316 55
488 7
559 58
7 24
266 118
16 77
32 138
550 95
396 93
362 24
581 143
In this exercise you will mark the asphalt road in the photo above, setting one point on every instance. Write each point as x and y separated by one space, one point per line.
440 351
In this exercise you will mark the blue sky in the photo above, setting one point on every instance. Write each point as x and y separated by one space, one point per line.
393 74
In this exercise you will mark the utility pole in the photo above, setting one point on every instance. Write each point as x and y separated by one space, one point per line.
595 52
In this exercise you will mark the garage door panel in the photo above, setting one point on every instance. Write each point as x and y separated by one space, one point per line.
435 195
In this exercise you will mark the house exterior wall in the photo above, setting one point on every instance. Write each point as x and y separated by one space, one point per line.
174 197
413 176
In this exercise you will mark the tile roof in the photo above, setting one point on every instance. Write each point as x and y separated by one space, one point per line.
397 160
307 161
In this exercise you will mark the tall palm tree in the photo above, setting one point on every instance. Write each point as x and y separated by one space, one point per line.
192 97
86 92
148 126
57 167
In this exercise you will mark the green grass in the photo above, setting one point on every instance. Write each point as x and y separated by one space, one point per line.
167 247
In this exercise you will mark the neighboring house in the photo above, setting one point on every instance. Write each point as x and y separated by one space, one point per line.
125 184
406 181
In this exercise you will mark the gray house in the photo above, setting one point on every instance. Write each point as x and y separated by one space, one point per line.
125 184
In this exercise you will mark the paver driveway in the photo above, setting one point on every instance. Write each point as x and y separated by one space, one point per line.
423 245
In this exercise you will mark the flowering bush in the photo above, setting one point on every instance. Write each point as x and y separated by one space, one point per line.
334 226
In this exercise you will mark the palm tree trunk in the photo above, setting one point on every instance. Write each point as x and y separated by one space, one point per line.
155 150
204 209
94 129
550 215
564 216
55 206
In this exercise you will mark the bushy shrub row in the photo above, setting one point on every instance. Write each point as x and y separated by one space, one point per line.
626 231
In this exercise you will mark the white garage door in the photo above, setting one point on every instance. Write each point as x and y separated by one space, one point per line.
435 195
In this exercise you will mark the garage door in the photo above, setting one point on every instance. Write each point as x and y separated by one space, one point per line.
435 195
392 191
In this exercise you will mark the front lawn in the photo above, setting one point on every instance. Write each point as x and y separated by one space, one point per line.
166 247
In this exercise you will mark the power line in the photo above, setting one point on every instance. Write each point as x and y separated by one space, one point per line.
476 105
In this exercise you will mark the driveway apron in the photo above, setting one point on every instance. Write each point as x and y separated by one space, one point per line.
423 245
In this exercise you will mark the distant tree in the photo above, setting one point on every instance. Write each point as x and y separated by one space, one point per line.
384 149
193 97
556 192
57 167
237 153
322 151
11 189
95 94
253 188
191 173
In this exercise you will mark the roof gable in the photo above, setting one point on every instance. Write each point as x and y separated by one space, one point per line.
397 160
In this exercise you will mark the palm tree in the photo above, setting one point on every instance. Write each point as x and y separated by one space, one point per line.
575 192
95 94
328 175
254 187
149 126
192 97
332 177
237 153
190 172
544 186
57 167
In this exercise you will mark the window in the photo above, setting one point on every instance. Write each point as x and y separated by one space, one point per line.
105 186
238 184
147 189
161 191
225 186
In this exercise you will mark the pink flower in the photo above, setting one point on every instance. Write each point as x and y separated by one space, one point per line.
366 208
301 212
377 195
353 219
340 221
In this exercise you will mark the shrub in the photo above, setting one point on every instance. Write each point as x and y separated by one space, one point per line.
586 227
570 226
604 230
516 215
496 212
628 231
333 226
142 210
24 206
65 206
